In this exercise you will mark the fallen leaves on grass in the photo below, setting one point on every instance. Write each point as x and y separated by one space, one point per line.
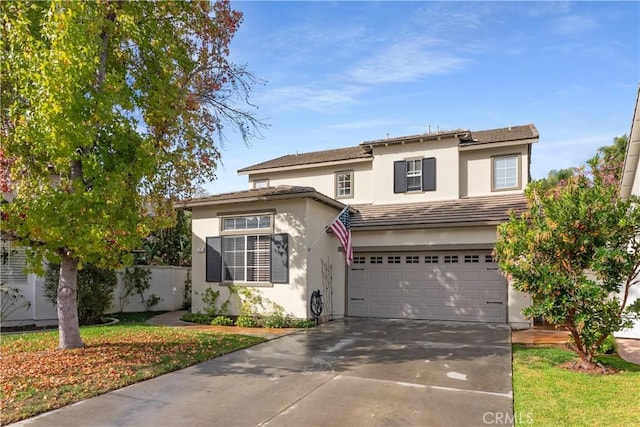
36 377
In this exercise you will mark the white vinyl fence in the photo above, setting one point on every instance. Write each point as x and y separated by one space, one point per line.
167 283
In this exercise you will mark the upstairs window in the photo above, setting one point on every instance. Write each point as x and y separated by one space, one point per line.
414 175
344 184
261 183
505 173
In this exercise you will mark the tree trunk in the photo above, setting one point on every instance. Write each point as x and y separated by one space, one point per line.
67 306
585 354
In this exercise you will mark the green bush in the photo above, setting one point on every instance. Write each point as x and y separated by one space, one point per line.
246 322
95 291
303 323
199 318
222 321
275 320
608 346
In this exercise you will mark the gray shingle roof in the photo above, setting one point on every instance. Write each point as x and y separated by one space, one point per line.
348 153
363 151
512 133
470 211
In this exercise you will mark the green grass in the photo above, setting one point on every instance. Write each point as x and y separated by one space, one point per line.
37 378
126 319
549 395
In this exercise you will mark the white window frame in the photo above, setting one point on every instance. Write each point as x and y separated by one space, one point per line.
254 265
261 183
505 172
262 223
414 170
344 180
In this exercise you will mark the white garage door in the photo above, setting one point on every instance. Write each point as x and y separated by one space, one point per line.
440 286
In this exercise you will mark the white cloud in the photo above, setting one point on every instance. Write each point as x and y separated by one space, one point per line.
405 61
574 25
364 124
307 97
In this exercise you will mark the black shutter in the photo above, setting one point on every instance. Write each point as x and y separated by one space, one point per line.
429 174
400 176
214 259
280 258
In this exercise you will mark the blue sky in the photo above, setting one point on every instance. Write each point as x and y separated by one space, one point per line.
339 73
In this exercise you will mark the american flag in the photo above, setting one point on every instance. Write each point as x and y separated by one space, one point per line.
341 227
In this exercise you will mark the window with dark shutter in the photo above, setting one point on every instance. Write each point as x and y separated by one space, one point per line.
280 258
214 260
417 175
400 176
429 174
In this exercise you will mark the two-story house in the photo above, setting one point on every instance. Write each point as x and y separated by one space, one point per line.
423 208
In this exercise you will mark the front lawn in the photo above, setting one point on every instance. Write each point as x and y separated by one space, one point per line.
37 378
546 394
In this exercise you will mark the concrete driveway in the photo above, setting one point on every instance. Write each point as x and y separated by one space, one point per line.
353 372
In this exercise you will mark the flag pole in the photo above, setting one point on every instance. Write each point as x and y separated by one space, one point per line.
326 228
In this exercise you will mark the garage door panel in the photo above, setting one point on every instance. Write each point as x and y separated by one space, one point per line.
494 295
472 291
474 276
359 292
376 276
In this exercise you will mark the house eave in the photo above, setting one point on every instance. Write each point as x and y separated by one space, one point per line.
630 168
313 195
305 166
414 139
424 248
486 145
420 226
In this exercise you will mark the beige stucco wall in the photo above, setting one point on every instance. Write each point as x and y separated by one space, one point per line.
303 220
323 180
466 173
476 167
447 175
324 247
517 302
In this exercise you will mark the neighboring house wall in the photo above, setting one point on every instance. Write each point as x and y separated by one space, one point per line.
631 185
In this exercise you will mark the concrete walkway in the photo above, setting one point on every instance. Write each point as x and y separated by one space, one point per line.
629 350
